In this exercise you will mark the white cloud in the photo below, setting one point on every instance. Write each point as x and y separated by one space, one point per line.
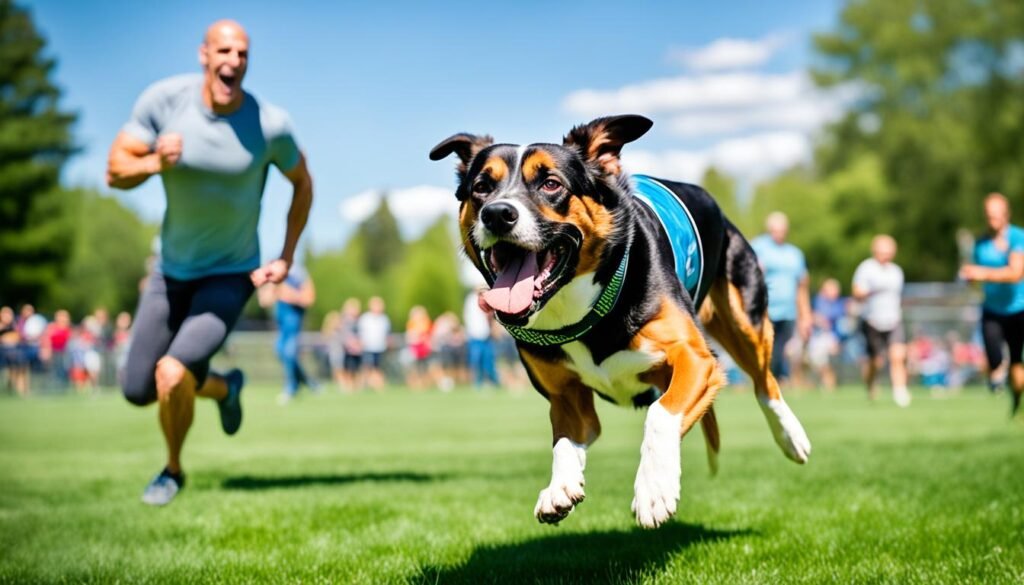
750 159
720 90
804 113
415 208
728 53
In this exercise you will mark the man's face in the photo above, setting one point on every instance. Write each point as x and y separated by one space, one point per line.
778 231
225 57
997 215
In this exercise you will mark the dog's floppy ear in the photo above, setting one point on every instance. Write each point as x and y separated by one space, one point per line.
462 144
601 140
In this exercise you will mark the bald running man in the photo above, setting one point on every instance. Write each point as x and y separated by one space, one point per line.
999 266
789 296
212 144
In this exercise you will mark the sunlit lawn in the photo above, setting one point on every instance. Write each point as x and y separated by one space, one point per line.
441 487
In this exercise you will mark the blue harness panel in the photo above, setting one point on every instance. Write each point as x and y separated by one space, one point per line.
680 228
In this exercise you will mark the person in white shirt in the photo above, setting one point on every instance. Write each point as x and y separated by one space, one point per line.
374 328
878 284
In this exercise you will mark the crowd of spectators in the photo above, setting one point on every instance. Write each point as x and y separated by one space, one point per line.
82 356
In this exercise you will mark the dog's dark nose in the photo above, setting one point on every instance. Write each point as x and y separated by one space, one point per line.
499 217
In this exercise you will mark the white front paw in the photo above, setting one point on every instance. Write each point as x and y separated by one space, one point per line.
558 499
656 490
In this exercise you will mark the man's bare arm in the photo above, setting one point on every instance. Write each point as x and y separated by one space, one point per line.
298 213
131 161
1011 273
302 199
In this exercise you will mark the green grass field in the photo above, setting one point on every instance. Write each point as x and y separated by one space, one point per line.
440 488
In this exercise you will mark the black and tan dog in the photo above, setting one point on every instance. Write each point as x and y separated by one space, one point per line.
603 295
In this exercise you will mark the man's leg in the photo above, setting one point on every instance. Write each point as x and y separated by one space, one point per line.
1014 327
215 306
992 336
875 359
176 392
779 366
898 373
287 350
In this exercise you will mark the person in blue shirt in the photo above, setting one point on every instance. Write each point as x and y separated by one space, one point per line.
789 298
999 266
292 297
212 144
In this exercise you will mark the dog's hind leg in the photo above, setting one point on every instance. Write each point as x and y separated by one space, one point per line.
574 426
736 318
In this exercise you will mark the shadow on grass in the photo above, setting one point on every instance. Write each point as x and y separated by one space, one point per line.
598 557
249 482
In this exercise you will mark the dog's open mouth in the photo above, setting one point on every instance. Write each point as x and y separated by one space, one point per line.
525 279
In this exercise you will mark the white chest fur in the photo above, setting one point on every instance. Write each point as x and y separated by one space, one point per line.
617 376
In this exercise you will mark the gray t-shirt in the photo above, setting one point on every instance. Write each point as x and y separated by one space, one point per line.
884 283
215 189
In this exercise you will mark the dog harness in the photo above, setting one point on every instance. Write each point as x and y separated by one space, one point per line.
687 253
680 228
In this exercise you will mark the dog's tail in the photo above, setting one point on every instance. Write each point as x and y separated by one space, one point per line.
712 440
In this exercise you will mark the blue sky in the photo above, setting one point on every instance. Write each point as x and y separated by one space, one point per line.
372 87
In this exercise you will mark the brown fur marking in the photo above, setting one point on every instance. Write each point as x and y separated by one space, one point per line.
467 217
496 168
691 376
535 161
572 404
595 223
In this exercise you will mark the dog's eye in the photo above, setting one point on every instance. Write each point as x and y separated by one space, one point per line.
481 187
550 186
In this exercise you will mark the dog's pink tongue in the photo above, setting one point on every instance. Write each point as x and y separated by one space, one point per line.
512 292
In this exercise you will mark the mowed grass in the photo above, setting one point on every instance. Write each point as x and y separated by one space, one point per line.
440 488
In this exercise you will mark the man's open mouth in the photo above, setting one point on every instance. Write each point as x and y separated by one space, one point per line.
525 279
228 79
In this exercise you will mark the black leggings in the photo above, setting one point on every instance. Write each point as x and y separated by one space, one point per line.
997 329
185 319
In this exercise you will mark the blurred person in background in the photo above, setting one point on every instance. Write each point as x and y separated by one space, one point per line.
999 266
824 346
417 341
789 300
10 353
83 357
510 369
330 335
374 329
477 318
444 341
53 348
291 298
121 340
878 284
351 347
31 327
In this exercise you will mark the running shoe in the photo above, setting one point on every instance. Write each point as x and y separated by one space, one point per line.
231 407
162 489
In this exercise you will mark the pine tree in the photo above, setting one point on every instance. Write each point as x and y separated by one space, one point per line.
36 227
384 246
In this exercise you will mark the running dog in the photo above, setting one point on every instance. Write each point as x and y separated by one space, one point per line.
602 277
